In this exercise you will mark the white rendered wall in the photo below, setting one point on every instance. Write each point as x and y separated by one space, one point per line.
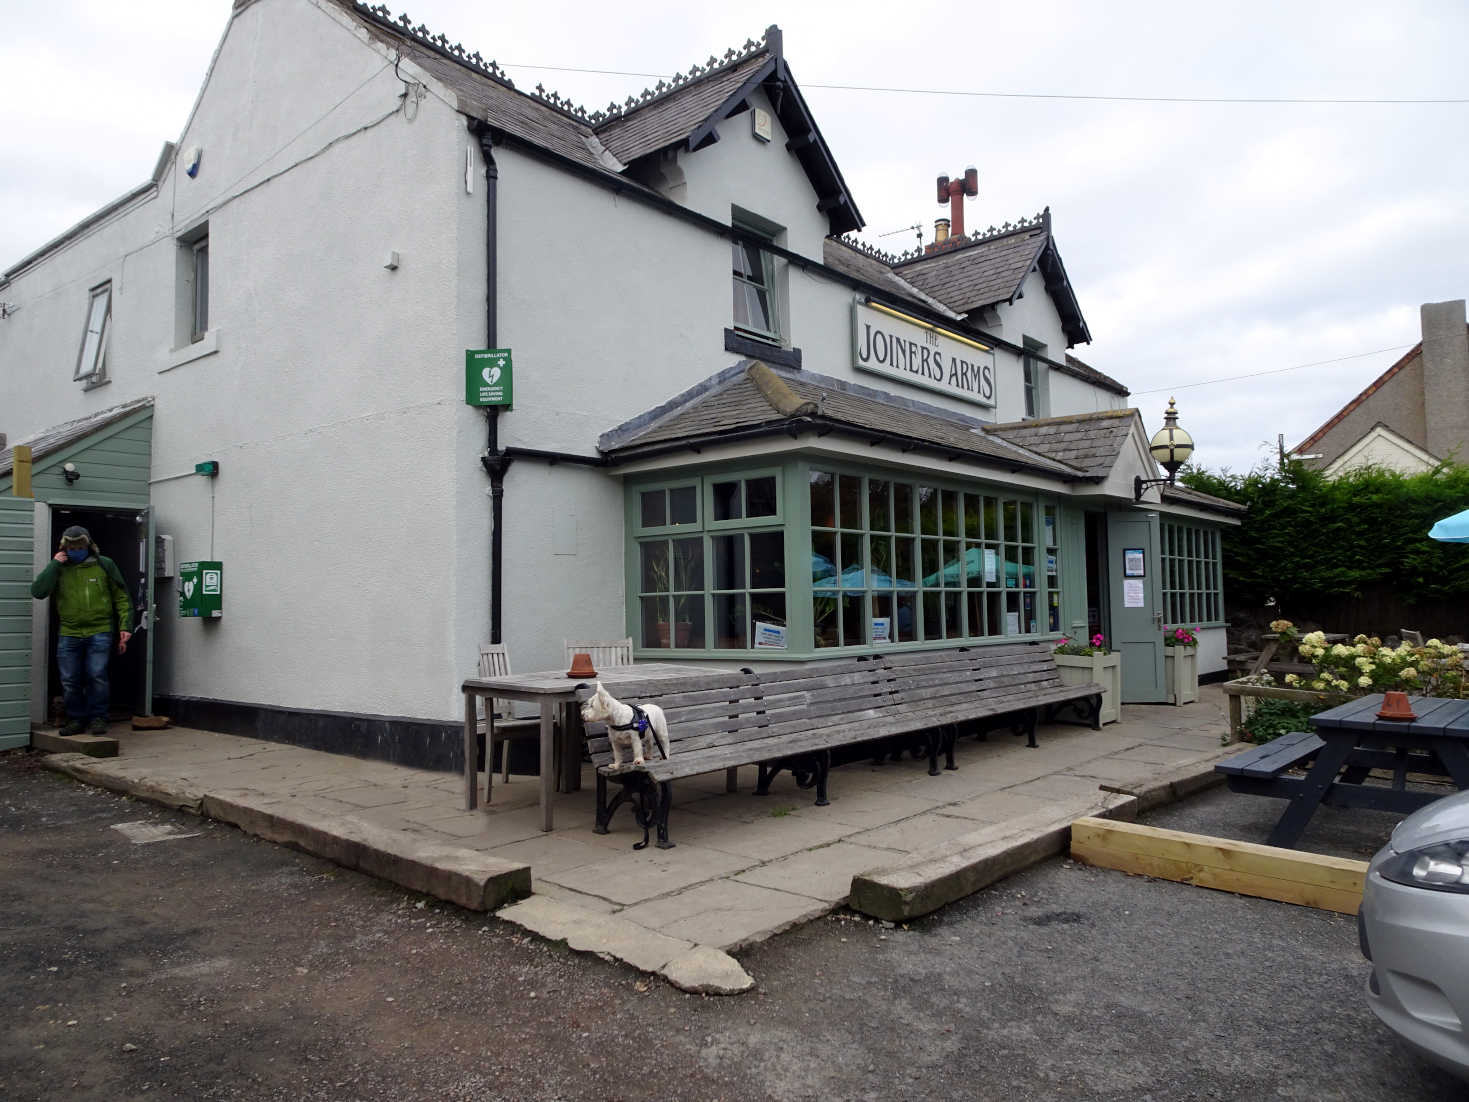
1212 649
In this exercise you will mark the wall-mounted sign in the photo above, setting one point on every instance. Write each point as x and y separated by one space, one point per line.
1133 563
769 636
201 589
760 124
890 343
882 629
487 377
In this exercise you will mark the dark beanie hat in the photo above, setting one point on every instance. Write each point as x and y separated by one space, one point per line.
77 536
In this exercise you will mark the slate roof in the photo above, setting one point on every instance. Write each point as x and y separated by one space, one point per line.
839 255
969 277
1091 442
731 402
674 117
52 440
1092 375
1182 495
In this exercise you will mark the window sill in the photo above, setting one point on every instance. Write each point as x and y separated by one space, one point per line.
206 345
744 345
91 383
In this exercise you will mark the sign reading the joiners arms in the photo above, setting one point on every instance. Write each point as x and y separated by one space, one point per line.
893 344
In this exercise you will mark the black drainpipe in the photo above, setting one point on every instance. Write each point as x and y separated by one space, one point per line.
495 461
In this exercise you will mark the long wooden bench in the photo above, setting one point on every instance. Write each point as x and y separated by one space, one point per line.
791 718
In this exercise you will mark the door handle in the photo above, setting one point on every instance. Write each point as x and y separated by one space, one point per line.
1158 619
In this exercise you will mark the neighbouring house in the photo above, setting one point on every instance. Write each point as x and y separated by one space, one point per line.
1414 415
273 381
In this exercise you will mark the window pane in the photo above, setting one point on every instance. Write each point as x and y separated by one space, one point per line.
760 316
905 626
768 608
726 497
994 613
741 305
880 559
879 512
91 355
731 625
688 564
1027 568
824 618
688 622
974 567
655 575
823 558
953 613
201 288
654 508
853 574
767 560
1012 522
1027 617
976 613
907 571
849 490
973 511
655 622
823 500
953 572
902 507
1053 621
951 513
932 561
882 608
854 626
1027 522
760 497
991 519
928 510
683 505
748 262
729 562
933 616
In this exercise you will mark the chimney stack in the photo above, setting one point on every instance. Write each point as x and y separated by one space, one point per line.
953 192
1446 379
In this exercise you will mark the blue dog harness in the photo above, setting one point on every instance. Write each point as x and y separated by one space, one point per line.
640 723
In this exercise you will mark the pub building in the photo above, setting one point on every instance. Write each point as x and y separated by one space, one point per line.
470 363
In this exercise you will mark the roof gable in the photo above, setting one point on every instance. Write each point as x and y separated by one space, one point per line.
1372 388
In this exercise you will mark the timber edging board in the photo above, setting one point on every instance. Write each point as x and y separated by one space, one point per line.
1247 868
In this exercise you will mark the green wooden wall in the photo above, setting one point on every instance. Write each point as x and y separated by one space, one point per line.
114 462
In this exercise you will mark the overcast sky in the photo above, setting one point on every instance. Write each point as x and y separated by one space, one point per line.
1205 241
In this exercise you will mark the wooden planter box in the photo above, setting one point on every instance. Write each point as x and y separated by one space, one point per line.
1181 674
1104 669
1236 691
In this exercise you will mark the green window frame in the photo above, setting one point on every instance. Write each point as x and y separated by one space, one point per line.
1193 592
923 561
714 581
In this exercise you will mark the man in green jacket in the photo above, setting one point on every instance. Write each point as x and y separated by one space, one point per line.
89 593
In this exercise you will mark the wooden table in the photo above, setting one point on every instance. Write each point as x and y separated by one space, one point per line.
1354 742
551 689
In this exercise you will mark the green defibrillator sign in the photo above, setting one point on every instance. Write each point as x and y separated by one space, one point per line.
487 377
201 589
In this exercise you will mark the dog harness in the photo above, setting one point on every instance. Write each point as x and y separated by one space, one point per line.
640 724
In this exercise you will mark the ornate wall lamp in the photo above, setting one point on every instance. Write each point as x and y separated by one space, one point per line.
1171 446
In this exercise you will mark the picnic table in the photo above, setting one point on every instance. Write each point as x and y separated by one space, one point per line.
552 690
1347 744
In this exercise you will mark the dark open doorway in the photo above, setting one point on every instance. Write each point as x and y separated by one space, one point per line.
121 535
1096 575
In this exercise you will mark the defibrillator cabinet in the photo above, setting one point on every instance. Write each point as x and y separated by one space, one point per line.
201 589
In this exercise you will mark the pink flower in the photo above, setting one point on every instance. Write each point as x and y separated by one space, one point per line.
1098 639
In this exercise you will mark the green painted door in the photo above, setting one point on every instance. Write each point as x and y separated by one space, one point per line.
17 519
1135 593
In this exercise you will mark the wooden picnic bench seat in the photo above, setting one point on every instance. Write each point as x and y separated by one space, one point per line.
791 718
1255 769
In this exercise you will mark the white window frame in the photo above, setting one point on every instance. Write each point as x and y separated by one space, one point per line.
768 286
199 309
1033 380
91 364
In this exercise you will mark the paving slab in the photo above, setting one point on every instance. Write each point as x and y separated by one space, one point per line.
726 914
707 971
866 808
824 874
607 935
920 832
779 834
635 876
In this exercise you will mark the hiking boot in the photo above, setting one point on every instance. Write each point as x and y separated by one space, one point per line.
73 727
99 726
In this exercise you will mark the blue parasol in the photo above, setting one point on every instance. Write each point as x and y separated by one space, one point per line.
1454 529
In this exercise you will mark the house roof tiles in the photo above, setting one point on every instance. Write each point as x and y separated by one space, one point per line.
1091 442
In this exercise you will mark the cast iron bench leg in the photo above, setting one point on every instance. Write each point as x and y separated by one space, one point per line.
1030 722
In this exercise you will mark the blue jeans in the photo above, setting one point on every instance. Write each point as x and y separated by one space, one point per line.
82 660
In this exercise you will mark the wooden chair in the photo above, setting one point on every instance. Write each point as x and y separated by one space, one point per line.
494 661
1412 638
604 652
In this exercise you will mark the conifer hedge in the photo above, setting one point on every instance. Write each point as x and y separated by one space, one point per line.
1308 539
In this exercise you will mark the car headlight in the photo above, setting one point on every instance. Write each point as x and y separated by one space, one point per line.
1441 868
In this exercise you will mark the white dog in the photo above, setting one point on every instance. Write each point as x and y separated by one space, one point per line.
626 724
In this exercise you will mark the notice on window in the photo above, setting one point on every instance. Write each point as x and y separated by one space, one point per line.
1050 531
1012 623
991 566
1132 563
882 629
1132 593
769 636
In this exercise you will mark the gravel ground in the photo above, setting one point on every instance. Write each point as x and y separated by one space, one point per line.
220 967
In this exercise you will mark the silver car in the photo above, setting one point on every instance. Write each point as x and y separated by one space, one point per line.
1414 928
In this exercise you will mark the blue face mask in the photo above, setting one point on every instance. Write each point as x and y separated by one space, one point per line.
77 554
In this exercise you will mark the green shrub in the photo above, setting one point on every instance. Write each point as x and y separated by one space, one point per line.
1273 718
